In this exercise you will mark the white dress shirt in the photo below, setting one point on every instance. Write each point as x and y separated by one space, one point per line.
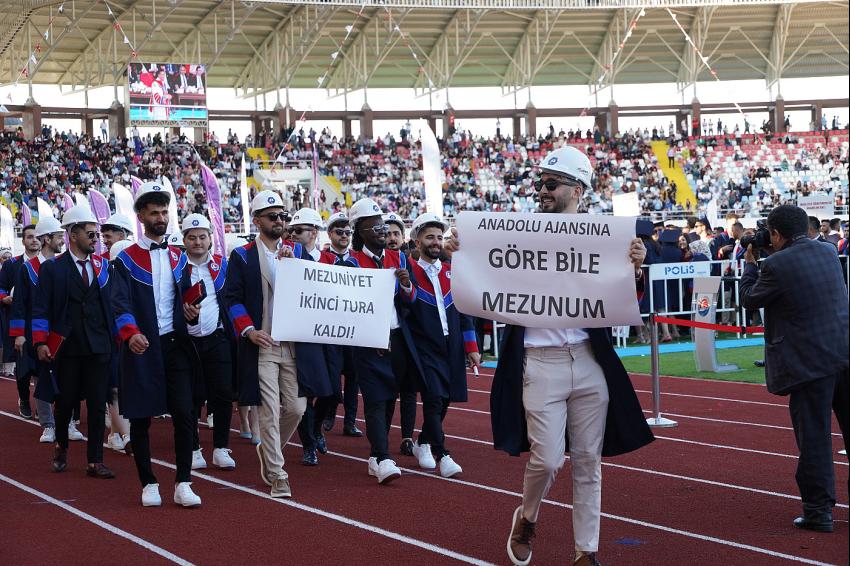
315 253
433 272
164 286
88 267
271 259
208 320
553 337
394 323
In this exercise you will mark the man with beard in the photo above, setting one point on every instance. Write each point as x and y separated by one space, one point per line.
73 314
156 355
378 370
445 341
395 232
49 233
276 376
565 384
8 278
340 358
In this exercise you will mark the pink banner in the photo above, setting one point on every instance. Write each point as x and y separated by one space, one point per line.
26 214
100 207
215 211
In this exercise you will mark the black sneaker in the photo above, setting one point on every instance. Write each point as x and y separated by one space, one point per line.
24 408
406 447
321 444
328 423
310 458
352 430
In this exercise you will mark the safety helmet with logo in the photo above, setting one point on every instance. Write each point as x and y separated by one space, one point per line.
426 219
363 208
337 218
393 218
308 217
119 247
80 214
195 221
47 225
176 240
149 191
119 220
264 200
571 163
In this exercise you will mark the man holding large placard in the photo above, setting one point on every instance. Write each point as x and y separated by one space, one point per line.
559 384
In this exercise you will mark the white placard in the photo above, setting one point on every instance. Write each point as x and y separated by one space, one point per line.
330 304
545 270
818 205
663 271
626 204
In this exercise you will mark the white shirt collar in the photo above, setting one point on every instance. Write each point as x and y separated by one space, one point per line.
435 267
145 242
76 259
204 262
369 254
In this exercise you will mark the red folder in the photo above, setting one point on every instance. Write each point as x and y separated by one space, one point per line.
194 295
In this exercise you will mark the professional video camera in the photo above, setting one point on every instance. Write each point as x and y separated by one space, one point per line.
760 239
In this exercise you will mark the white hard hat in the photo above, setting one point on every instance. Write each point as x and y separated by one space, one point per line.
392 217
264 200
149 188
569 162
427 218
363 208
307 216
175 239
195 221
119 247
48 225
119 221
80 214
337 218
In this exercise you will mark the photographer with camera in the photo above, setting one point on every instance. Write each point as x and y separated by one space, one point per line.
801 289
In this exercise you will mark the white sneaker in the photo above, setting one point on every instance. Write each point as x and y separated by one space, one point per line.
183 495
198 462
222 459
424 456
115 442
386 471
448 467
150 495
49 435
73 433
210 421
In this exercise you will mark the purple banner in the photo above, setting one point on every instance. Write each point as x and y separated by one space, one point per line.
135 183
26 214
215 211
100 207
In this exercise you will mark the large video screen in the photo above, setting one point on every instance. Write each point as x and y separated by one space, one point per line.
167 94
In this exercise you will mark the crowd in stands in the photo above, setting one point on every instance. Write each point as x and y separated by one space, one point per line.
739 170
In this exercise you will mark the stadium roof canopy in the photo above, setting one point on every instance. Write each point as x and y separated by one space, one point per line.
260 46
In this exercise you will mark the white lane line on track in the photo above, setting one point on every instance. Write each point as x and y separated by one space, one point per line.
427 546
289 503
97 522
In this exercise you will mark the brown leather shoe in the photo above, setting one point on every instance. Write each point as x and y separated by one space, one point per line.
60 459
100 471
587 559
519 542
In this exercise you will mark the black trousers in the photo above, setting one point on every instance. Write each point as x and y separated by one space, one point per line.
178 386
433 410
326 406
379 417
310 427
811 407
79 376
217 370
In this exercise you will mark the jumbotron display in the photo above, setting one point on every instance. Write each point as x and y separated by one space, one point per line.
167 94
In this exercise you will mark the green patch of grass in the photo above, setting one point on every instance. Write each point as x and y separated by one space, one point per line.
683 364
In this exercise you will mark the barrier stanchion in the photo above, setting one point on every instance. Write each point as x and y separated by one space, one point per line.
656 420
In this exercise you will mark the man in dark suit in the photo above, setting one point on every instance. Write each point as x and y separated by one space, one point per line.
801 288
73 315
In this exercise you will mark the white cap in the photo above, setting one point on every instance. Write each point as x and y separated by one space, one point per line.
395 219
120 221
175 239
337 218
363 208
427 218
307 216
264 200
195 221
148 188
80 214
47 226
569 162
119 247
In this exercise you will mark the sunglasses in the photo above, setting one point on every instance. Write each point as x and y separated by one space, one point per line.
380 229
275 216
552 184
342 232
93 235
299 231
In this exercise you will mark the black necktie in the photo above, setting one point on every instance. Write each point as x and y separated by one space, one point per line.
340 257
162 246
379 262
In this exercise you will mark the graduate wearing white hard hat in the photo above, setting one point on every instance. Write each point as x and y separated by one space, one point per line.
304 228
205 319
76 319
395 231
116 228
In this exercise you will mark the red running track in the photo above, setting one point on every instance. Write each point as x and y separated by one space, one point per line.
709 491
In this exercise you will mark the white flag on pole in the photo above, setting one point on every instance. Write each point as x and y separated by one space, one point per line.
431 170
